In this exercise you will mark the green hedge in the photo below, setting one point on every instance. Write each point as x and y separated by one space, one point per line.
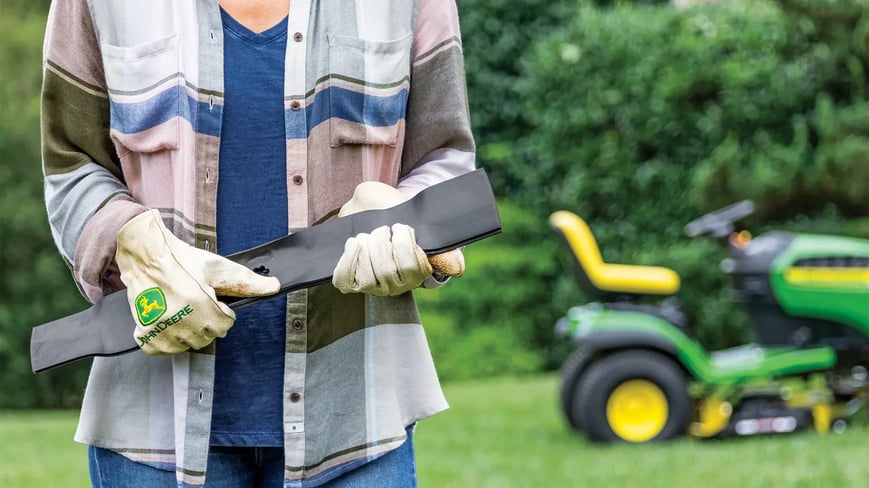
35 285
643 118
495 35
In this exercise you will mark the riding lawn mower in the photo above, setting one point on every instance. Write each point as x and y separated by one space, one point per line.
637 374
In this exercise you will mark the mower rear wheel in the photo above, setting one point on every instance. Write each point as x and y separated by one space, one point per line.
633 396
571 371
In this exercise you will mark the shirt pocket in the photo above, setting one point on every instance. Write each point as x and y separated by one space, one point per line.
146 94
368 92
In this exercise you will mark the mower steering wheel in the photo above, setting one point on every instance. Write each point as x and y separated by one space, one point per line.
719 224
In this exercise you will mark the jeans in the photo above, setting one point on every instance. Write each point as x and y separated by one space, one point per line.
251 467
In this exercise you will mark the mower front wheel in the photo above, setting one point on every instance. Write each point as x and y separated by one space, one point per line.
633 396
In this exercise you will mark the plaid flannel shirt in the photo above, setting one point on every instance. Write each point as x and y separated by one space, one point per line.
132 98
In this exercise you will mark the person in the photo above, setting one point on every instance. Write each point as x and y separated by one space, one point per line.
178 132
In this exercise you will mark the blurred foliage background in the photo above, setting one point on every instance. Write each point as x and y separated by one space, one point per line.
636 115
35 284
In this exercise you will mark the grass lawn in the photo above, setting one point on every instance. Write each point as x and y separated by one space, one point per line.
36 450
508 433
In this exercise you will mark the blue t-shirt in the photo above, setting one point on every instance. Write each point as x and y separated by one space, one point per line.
251 210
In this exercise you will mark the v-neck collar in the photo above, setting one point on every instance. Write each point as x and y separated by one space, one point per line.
237 28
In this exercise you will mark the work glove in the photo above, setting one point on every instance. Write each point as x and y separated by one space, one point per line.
387 261
172 287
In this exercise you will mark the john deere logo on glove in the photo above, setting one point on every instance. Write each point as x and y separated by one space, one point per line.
150 305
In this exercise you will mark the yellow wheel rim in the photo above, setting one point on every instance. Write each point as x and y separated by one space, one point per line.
637 410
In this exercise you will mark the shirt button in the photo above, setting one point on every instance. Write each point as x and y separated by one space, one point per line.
297 324
295 397
297 179
297 37
295 105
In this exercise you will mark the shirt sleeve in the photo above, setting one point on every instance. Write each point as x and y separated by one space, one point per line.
86 199
438 142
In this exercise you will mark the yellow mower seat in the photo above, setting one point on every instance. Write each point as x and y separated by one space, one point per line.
605 278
